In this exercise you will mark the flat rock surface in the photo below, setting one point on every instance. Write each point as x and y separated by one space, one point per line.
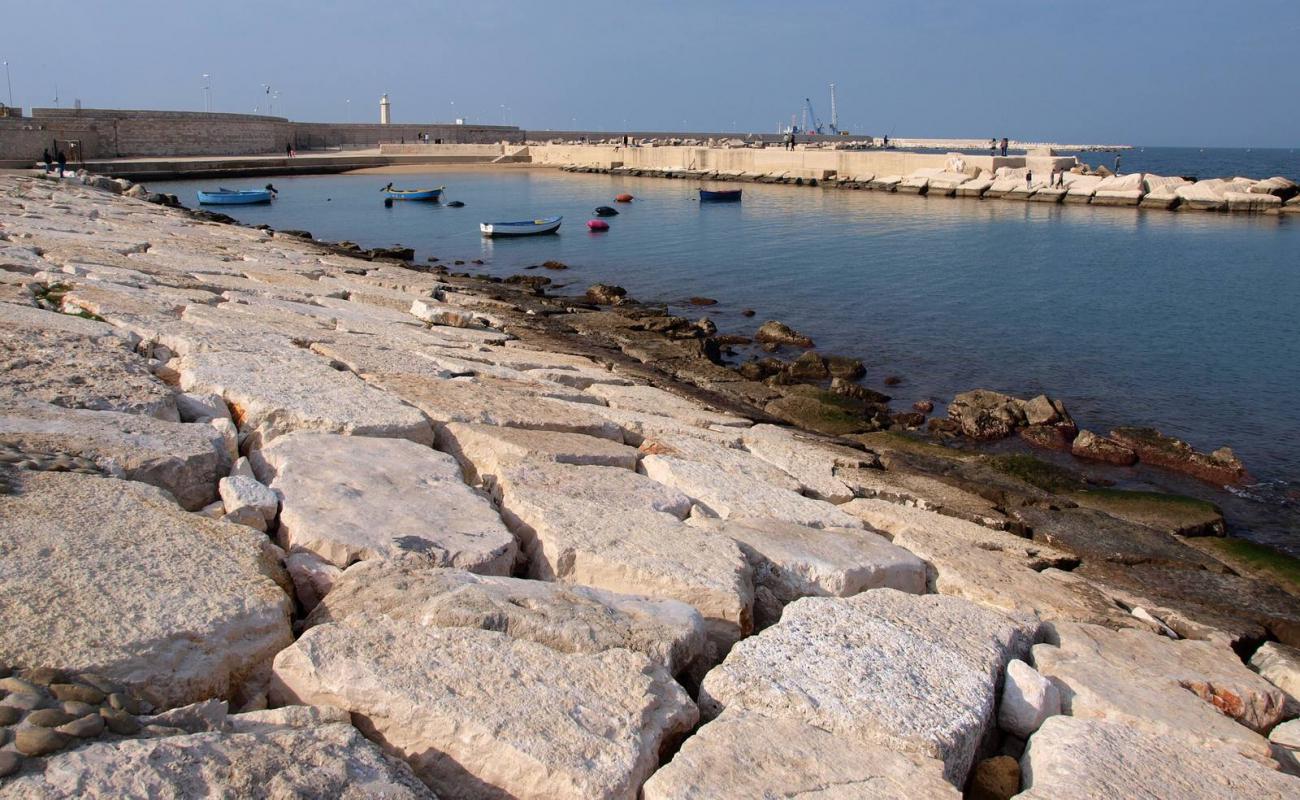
743 754
811 461
480 714
915 674
1083 759
75 371
1198 690
484 450
185 460
462 401
351 498
651 400
571 619
1092 534
324 761
273 395
617 530
176 606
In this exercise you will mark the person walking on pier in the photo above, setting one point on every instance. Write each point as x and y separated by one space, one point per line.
1117 160
1004 147
45 160
62 160
993 146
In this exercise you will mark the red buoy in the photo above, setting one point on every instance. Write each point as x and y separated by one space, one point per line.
623 198
598 224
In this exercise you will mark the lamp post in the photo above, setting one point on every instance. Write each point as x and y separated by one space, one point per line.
10 84
207 92
348 105
270 106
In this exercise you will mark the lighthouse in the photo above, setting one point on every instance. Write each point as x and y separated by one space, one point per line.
385 111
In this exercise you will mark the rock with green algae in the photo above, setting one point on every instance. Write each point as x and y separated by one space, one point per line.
821 411
1172 513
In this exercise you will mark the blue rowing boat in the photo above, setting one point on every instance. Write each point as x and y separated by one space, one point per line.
721 196
528 227
431 195
235 197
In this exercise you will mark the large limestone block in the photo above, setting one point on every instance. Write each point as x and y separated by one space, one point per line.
1279 664
19 317
174 605
320 761
901 522
478 402
379 360
902 486
650 400
272 395
726 492
730 460
186 460
1119 190
352 498
75 371
1252 203
650 430
1084 759
478 714
1188 688
571 619
793 561
436 313
914 674
1285 741
484 450
617 530
744 754
811 461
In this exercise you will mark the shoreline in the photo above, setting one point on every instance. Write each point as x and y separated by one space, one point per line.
389 438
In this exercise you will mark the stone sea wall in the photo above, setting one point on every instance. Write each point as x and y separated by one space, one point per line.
285 518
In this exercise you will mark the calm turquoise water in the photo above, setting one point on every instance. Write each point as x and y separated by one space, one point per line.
1188 322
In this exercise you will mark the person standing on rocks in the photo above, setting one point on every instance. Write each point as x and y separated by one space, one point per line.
62 159
1004 147
45 160
1117 160
993 146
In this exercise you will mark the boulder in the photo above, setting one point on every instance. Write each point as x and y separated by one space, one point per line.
1027 700
1091 447
312 577
1155 448
779 333
1250 203
913 674
1285 742
477 713
185 460
1279 664
320 761
239 492
1048 437
571 619
620 531
1184 688
1080 188
1083 759
351 498
173 605
1119 190
273 395
484 450
985 415
77 371
1279 187
605 295
747 754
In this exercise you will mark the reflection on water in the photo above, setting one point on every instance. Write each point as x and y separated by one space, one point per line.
1186 321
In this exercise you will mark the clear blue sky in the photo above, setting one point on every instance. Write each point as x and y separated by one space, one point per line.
1180 72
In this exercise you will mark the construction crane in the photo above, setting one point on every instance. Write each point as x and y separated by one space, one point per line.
812 124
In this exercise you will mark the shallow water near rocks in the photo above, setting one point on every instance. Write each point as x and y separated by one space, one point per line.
1184 321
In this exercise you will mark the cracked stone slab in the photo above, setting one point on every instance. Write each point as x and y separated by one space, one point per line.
479 714
651 400
352 498
484 450
568 618
812 461
913 674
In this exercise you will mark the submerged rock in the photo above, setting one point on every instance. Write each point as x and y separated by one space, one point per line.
606 295
1091 447
775 332
1155 448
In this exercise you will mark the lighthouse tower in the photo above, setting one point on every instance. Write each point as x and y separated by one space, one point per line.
385 111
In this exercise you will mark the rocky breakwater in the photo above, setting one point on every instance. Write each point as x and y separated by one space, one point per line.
278 519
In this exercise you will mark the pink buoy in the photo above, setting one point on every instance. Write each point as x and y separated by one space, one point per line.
597 224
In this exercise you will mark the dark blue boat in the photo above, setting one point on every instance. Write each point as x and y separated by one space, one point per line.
723 196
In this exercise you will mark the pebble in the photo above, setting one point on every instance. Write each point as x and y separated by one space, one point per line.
25 702
4 736
85 727
39 741
44 676
119 721
78 709
18 686
49 717
9 715
100 682
121 701
9 763
77 691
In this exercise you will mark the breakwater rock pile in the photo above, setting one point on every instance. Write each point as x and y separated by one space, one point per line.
278 518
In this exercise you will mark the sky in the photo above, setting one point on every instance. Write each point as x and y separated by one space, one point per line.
1146 72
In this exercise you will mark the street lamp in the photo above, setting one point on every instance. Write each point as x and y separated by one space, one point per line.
207 92
348 104
11 85
270 106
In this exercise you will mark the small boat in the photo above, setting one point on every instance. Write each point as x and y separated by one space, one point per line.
623 198
606 211
235 197
597 225
528 227
431 195
720 196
